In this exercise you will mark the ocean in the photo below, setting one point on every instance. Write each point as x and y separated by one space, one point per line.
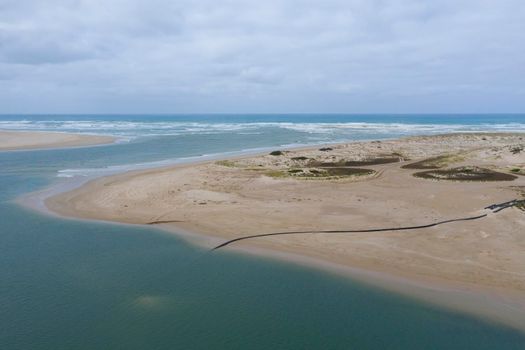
70 284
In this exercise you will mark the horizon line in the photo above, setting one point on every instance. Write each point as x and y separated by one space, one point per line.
256 113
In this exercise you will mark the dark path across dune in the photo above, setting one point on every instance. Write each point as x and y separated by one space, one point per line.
494 207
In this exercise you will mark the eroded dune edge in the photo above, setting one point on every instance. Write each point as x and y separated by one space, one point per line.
476 266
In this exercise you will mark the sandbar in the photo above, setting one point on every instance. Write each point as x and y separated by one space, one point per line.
475 266
26 140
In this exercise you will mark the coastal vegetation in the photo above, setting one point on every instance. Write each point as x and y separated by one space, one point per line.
312 173
435 162
226 163
465 173
351 163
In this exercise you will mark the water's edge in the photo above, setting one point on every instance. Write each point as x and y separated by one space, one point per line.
487 305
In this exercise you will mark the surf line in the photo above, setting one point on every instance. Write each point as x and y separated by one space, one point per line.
494 207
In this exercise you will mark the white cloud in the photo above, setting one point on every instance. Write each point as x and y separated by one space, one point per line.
276 55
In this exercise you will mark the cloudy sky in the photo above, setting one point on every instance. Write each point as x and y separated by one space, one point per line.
177 56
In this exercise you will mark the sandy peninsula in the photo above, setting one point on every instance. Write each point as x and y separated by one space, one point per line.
356 186
23 140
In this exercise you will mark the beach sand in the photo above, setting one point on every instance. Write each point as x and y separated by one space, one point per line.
20 140
476 266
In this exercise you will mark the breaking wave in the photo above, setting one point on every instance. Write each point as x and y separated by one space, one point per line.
136 129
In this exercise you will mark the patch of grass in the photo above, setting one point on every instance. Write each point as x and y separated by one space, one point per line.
465 174
326 149
276 153
399 155
300 158
276 173
349 172
515 170
333 173
255 169
329 173
435 162
296 171
352 163
516 149
227 163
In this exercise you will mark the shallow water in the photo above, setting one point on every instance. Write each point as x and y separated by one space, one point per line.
69 284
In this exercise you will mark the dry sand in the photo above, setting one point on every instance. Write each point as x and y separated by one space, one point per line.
18 140
477 266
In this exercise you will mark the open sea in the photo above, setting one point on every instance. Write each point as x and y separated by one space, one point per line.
68 284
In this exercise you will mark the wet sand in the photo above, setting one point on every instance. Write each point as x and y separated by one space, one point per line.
475 266
23 140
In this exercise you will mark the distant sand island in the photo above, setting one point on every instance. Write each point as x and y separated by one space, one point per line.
355 186
20 140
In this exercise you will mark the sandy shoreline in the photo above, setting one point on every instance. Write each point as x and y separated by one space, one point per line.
27 140
476 267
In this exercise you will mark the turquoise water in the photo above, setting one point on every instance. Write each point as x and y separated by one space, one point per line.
83 285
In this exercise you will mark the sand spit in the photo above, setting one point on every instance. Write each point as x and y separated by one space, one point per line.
299 190
22 140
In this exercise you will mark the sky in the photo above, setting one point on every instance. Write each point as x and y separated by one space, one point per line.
271 56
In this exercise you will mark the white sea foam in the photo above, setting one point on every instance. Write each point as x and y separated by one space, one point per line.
136 129
303 132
